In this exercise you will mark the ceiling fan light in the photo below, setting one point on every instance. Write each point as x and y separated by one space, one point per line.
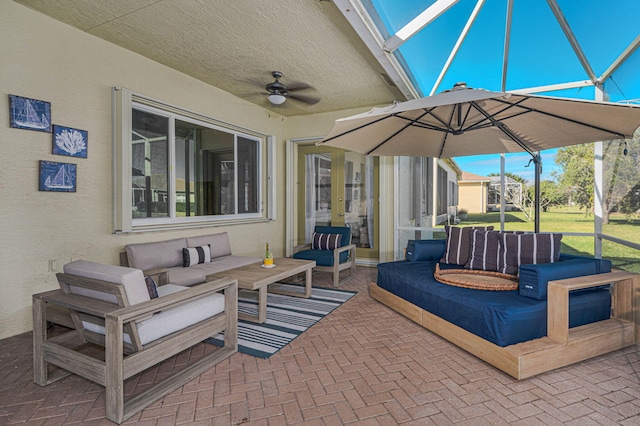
276 98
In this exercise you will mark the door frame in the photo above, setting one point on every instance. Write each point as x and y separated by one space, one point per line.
385 198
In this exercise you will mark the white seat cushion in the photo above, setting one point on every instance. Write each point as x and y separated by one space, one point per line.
186 276
197 274
173 319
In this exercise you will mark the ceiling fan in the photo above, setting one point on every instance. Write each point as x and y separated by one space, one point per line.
280 92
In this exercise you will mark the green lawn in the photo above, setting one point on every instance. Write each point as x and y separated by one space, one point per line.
565 220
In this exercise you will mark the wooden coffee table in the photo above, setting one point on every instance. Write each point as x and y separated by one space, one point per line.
255 277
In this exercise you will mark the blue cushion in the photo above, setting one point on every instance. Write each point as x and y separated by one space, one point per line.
534 278
345 231
425 250
602 265
322 257
501 317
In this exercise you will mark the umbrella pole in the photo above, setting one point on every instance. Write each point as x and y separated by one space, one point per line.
537 160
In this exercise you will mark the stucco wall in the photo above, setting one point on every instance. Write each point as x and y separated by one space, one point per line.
473 197
44 59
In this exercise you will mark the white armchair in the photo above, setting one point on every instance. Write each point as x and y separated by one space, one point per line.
110 306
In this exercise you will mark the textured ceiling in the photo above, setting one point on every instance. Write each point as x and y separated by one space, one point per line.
235 44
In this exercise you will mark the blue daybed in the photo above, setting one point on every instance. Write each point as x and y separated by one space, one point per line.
509 329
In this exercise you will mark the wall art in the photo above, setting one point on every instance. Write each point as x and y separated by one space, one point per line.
30 114
69 141
57 177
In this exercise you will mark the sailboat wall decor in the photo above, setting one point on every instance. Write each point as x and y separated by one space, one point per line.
57 177
30 114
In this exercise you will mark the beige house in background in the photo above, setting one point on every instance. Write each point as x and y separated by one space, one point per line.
472 192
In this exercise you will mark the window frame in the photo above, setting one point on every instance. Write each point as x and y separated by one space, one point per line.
124 101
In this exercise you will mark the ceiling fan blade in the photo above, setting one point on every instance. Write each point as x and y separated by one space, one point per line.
298 86
309 100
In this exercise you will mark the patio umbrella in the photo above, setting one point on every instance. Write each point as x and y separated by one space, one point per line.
464 121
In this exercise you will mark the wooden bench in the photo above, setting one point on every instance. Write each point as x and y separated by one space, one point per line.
562 346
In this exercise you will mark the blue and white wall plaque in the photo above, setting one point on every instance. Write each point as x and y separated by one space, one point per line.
57 177
30 114
70 141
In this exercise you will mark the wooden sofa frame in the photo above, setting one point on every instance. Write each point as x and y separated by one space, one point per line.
562 346
121 360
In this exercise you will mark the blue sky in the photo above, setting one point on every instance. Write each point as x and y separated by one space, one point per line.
539 53
514 163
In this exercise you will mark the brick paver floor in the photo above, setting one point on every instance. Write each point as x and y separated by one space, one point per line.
361 365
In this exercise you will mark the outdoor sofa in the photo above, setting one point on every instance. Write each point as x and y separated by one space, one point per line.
165 262
170 256
559 314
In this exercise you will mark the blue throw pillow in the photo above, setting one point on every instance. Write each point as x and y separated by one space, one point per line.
425 250
152 287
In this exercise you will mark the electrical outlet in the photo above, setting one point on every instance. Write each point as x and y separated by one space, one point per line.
53 265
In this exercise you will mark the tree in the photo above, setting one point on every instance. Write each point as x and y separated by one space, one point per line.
630 203
621 176
576 178
551 194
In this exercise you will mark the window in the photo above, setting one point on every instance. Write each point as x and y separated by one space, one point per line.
150 165
443 199
184 168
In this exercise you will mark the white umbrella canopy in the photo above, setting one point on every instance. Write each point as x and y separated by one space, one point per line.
464 121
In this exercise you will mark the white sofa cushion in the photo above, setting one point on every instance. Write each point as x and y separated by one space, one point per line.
219 243
161 254
132 279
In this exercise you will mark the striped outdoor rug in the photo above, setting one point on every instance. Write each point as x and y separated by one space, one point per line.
287 318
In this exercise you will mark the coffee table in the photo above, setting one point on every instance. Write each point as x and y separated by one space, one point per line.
256 277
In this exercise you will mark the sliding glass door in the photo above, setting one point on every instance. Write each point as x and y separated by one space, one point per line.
338 188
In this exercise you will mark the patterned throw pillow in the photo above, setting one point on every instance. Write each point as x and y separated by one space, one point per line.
459 243
152 287
485 251
195 255
523 249
325 241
